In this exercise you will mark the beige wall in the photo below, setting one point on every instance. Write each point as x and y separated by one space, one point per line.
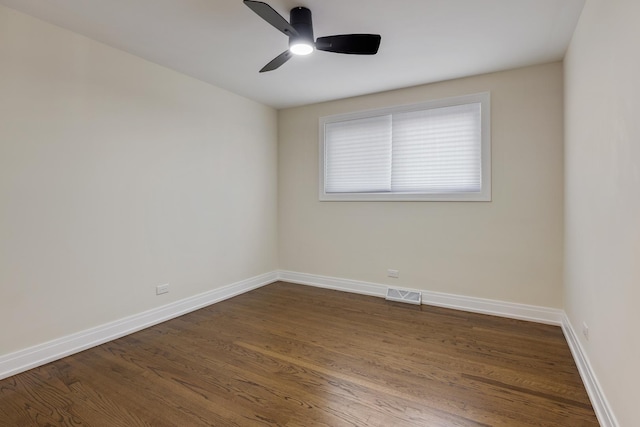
117 175
602 74
509 249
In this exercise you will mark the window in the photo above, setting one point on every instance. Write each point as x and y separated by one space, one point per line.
437 150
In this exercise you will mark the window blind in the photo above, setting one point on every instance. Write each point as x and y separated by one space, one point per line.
436 150
358 155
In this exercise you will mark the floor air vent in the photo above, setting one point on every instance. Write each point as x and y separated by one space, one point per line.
411 297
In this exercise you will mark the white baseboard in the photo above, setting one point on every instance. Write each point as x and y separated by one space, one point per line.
598 400
23 360
346 285
511 310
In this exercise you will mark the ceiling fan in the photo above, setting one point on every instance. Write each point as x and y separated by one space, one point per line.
300 33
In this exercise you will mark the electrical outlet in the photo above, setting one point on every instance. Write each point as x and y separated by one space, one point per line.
585 330
393 273
162 289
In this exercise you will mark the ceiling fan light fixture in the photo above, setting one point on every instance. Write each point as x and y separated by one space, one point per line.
301 47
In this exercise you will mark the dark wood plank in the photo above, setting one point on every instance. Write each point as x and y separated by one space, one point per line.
290 355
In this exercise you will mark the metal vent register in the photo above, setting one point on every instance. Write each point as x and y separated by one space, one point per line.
400 295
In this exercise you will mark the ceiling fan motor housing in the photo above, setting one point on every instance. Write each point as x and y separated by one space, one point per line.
300 19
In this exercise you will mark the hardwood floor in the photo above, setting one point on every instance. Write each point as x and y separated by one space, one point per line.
291 355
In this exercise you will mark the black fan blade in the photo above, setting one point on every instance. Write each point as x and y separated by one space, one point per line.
355 44
267 13
277 61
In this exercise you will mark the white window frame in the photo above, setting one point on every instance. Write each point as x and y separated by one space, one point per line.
485 117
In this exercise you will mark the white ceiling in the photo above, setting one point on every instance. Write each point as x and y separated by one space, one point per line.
224 43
